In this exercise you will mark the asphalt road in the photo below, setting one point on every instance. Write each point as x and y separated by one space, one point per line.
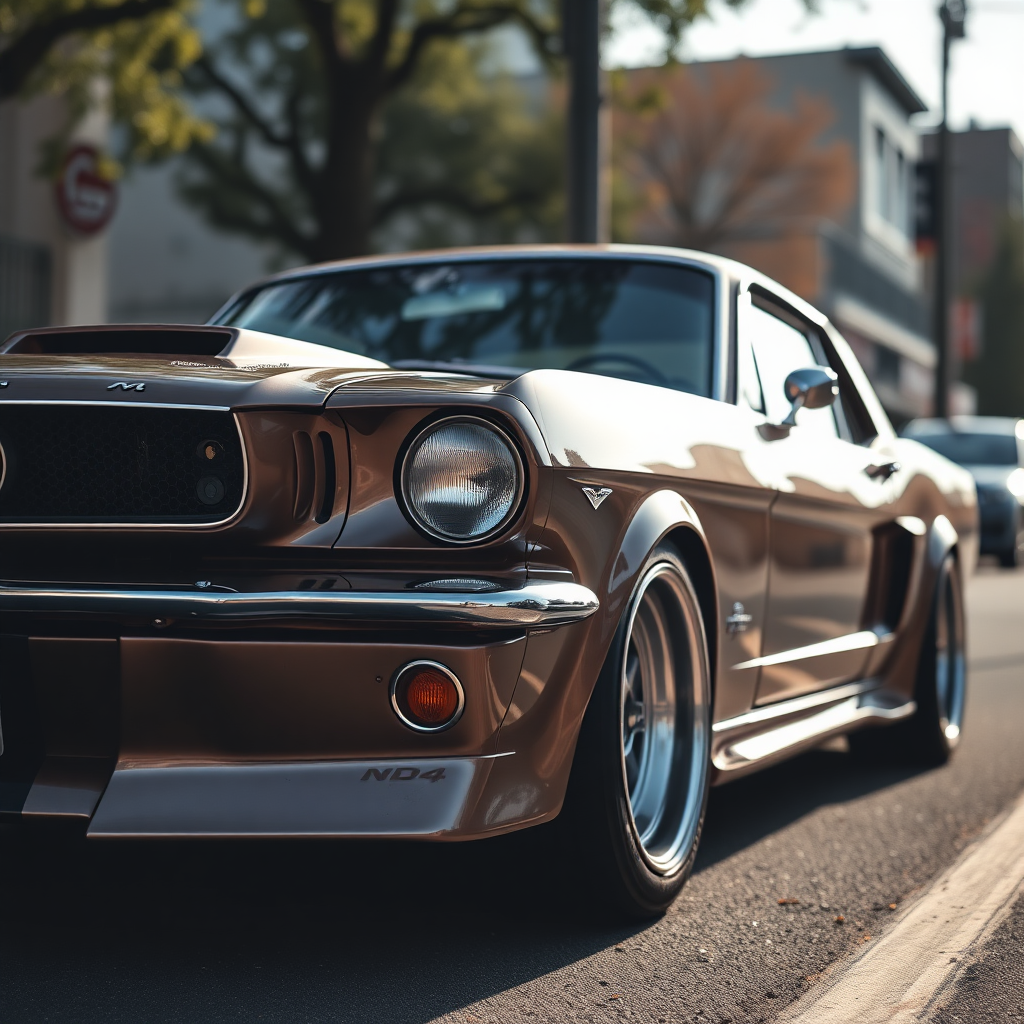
316 932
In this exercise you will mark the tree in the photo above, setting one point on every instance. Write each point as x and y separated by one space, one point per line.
295 165
138 47
309 82
998 375
711 164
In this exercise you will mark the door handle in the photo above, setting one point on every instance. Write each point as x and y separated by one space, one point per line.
882 470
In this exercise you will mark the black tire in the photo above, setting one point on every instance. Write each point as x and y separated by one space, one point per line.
1009 559
932 733
635 805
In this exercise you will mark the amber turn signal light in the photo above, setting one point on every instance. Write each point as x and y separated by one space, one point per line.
427 696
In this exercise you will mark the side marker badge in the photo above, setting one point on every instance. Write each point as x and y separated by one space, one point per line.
597 494
739 621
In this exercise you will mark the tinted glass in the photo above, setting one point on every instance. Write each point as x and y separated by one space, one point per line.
641 321
779 349
974 449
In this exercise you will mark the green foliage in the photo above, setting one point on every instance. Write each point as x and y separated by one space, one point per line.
455 157
999 374
127 55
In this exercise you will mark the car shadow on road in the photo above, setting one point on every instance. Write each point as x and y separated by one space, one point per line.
322 931
741 813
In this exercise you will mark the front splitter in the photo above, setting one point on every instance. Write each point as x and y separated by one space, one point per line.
415 798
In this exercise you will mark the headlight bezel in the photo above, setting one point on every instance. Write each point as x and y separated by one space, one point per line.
412 446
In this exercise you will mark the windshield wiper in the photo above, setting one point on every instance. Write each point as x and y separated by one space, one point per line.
470 369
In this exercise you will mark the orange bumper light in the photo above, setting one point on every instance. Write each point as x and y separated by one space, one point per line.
427 696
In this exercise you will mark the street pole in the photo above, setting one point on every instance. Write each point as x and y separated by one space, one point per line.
582 33
951 14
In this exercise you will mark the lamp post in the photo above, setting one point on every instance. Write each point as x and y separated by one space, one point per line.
952 14
581 21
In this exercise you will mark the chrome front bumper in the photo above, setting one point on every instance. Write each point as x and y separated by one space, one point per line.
536 604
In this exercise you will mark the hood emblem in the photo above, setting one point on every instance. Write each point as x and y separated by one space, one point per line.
126 386
597 494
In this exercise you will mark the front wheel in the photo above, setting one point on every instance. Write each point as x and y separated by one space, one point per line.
638 791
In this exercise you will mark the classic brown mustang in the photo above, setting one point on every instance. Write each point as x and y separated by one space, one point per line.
445 545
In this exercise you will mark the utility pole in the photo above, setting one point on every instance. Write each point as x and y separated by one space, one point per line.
952 14
581 26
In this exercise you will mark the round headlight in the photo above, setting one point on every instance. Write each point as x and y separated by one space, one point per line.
462 479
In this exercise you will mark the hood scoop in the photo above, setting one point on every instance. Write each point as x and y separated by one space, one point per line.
121 340
185 345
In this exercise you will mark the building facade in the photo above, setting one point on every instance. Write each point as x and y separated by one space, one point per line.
987 166
861 268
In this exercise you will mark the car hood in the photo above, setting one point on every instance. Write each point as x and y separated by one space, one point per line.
197 382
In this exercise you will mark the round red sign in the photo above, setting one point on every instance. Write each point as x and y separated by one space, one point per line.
85 199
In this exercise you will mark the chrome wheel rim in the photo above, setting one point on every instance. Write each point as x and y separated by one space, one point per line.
663 718
950 661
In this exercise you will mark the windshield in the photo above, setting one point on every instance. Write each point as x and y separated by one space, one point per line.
624 318
974 449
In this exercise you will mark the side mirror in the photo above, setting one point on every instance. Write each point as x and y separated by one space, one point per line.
813 388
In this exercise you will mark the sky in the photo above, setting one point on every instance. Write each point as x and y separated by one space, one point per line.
986 68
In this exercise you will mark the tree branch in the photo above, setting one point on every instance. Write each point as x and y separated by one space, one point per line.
23 56
289 141
445 196
380 44
461 21
319 15
280 224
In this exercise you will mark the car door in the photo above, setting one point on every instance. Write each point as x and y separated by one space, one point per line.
833 494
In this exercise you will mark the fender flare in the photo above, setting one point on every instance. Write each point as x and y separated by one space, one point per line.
942 538
659 516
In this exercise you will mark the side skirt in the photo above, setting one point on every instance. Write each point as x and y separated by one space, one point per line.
769 734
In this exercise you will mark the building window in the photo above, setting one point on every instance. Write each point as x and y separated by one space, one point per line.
887 367
892 183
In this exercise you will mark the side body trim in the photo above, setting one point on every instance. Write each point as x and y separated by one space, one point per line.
750 741
838 645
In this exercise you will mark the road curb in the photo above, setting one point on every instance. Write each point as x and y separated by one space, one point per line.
902 977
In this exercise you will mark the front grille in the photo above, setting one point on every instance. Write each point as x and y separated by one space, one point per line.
118 464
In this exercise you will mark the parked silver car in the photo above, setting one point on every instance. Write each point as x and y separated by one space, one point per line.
992 449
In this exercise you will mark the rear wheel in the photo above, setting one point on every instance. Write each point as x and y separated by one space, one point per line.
933 732
638 791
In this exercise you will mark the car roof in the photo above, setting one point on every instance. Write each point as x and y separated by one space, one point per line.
731 270
507 252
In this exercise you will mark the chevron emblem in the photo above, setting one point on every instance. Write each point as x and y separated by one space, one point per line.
597 494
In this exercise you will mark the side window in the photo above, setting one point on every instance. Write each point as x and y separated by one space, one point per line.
780 348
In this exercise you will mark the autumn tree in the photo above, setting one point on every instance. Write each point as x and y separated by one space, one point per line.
709 164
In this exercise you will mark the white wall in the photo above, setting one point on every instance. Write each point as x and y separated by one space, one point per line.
28 210
166 264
